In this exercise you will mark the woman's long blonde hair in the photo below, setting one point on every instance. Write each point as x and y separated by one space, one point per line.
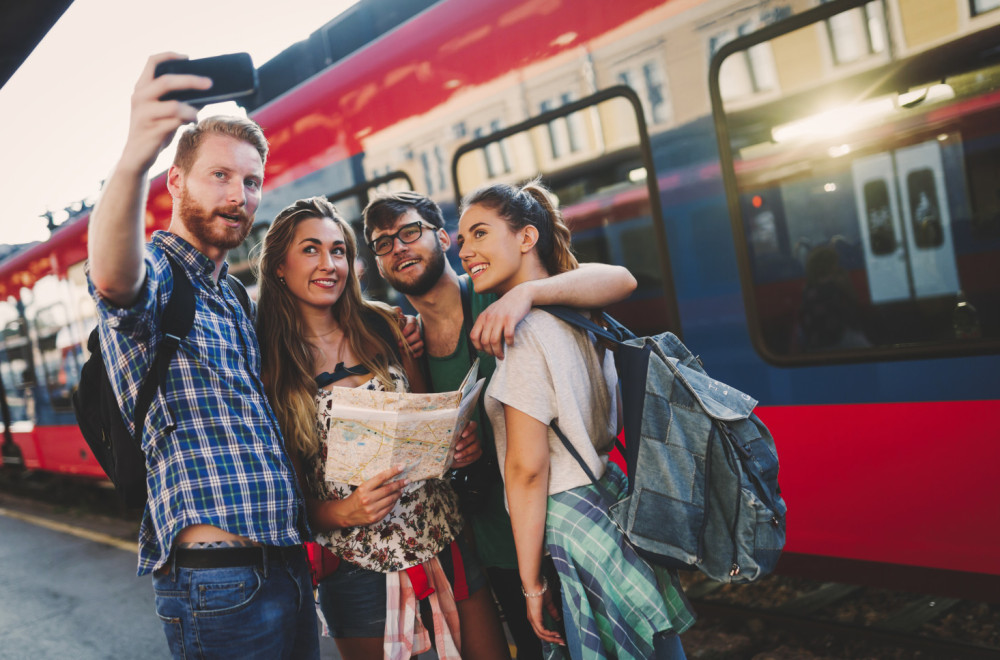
288 369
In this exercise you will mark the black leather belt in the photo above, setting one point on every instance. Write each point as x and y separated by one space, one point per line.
254 555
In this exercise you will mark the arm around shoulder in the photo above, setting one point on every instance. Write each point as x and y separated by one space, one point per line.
590 285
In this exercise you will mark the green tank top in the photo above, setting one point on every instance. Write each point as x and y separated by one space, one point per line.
491 525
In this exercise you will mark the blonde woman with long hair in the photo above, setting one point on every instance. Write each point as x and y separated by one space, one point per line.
317 331
614 604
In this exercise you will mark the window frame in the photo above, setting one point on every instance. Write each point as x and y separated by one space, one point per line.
645 149
881 353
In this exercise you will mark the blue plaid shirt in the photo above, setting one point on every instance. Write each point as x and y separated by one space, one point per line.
214 451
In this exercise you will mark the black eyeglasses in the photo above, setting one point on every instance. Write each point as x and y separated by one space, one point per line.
382 245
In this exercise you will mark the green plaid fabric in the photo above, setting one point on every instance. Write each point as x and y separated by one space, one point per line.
613 600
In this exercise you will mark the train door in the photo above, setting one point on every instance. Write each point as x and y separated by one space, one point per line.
927 219
881 231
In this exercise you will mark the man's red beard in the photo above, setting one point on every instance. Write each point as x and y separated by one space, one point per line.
208 229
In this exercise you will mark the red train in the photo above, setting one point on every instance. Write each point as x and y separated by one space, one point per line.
805 192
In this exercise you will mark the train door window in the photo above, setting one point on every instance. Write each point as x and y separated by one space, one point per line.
864 202
878 217
924 211
608 195
931 252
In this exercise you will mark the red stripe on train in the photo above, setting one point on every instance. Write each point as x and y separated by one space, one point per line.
924 488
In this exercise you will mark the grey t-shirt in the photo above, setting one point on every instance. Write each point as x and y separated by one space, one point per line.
554 372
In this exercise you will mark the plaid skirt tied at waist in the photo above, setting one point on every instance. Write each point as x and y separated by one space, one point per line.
614 602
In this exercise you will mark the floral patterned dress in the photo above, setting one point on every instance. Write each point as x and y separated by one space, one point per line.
425 519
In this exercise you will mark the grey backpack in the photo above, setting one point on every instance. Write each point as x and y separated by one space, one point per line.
703 471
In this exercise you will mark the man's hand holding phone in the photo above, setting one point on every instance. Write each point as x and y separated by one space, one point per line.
153 121
169 93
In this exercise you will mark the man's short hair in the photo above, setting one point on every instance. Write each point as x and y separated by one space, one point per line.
383 211
245 130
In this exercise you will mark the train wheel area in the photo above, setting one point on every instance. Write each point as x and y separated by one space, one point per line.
780 617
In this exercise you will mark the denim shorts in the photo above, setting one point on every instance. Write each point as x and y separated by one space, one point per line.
353 598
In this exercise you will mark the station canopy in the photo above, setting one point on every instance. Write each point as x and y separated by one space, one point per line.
22 26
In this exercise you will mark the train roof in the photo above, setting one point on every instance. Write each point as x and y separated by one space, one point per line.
325 118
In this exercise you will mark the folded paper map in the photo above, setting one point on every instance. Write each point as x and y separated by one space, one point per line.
368 432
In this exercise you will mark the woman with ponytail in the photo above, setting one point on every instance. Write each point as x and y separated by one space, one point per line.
614 604
397 541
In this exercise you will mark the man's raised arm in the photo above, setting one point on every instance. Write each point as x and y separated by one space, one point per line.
589 286
117 231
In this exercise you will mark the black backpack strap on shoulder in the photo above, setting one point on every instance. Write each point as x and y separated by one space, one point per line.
241 294
175 324
463 287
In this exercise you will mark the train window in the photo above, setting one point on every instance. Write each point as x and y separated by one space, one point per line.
607 193
17 354
878 218
15 362
62 357
921 185
863 199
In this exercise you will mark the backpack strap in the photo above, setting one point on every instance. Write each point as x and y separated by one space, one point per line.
615 332
175 323
425 367
583 464
463 288
241 294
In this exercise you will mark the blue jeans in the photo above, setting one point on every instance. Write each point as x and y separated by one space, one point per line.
264 611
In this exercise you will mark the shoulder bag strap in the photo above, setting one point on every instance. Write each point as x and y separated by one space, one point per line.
616 333
175 324
463 286
241 294
583 464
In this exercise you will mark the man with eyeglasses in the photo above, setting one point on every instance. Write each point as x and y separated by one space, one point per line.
406 233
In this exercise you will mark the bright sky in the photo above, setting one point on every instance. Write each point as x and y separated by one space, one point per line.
64 113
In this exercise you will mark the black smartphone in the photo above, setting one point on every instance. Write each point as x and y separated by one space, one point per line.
233 77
